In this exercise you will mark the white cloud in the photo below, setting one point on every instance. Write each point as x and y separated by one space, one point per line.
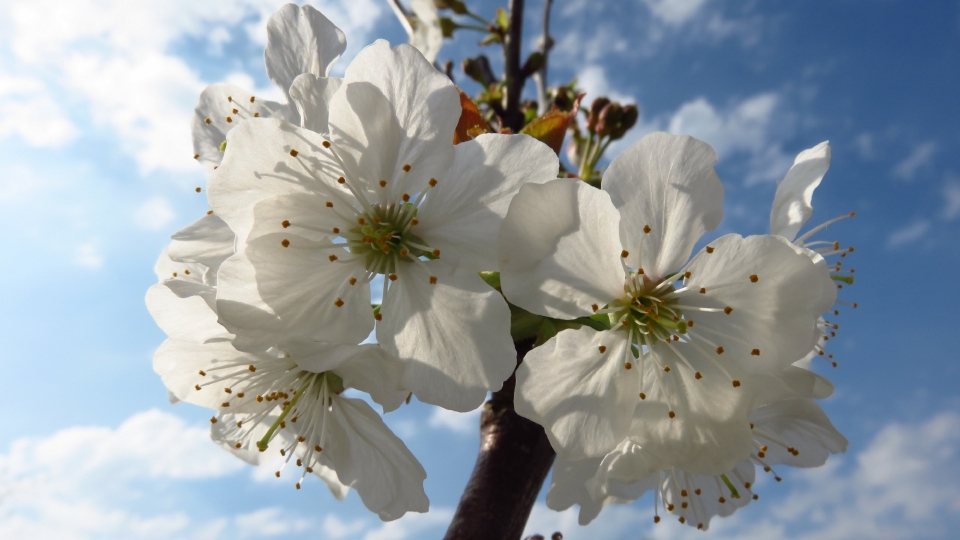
72 484
593 80
675 12
29 111
951 199
910 233
270 522
114 56
335 528
88 256
746 127
922 156
460 423
155 214
864 143
413 526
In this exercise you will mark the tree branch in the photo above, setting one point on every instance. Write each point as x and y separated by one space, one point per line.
515 457
512 117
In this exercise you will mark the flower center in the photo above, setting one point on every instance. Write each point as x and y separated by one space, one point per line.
649 310
383 237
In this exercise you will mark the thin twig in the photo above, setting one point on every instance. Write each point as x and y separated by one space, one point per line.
546 43
401 15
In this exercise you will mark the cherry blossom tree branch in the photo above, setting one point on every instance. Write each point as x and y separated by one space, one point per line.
512 68
515 457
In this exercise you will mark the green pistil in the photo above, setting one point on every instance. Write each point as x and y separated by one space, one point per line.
265 441
652 314
733 490
846 279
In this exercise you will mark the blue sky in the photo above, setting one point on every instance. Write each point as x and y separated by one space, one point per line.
95 101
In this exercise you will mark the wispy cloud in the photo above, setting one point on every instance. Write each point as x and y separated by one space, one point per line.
460 423
907 234
921 157
951 200
155 214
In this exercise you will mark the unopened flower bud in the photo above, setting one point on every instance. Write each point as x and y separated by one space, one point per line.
593 116
629 116
563 99
473 69
608 119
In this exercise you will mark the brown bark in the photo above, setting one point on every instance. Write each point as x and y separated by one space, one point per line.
515 457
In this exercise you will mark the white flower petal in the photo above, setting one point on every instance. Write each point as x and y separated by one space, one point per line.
426 110
208 241
311 95
166 268
802 425
240 308
368 368
772 321
708 432
371 459
378 373
301 40
792 382
258 165
704 493
462 214
577 387
184 310
300 214
213 118
623 477
179 362
453 335
559 249
568 483
308 285
666 182
791 204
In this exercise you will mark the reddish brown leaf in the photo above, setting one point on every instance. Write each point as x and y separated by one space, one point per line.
551 128
471 122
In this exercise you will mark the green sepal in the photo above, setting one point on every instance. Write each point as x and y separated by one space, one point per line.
491 278
523 324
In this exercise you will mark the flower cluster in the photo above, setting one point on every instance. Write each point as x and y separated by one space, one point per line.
684 374
676 372
353 182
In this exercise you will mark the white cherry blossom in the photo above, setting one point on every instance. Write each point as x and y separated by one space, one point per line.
299 40
792 432
688 338
384 195
792 208
291 401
